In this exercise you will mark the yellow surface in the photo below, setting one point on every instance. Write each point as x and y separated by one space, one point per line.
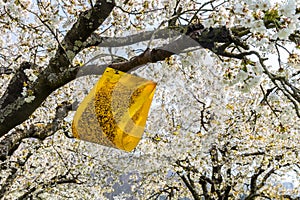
114 113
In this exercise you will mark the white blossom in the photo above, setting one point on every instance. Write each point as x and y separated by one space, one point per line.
30 74
254 81
29 99
288 9
284 34
242 75
258 26
24 91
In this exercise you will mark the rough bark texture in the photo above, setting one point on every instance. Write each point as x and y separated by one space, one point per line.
13 109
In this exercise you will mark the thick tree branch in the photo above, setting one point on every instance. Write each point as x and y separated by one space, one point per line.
97 40
12 141
192 36
206 37
57 73
148 56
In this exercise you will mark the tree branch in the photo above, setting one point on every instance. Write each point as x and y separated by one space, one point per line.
97 40
194 193
57 73
11 142
216 171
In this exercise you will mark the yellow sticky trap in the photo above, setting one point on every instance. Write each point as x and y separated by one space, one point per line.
115 111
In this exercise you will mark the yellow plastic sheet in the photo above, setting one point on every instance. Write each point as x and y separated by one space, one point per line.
115 111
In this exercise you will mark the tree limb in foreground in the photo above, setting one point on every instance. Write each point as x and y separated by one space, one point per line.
13 106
